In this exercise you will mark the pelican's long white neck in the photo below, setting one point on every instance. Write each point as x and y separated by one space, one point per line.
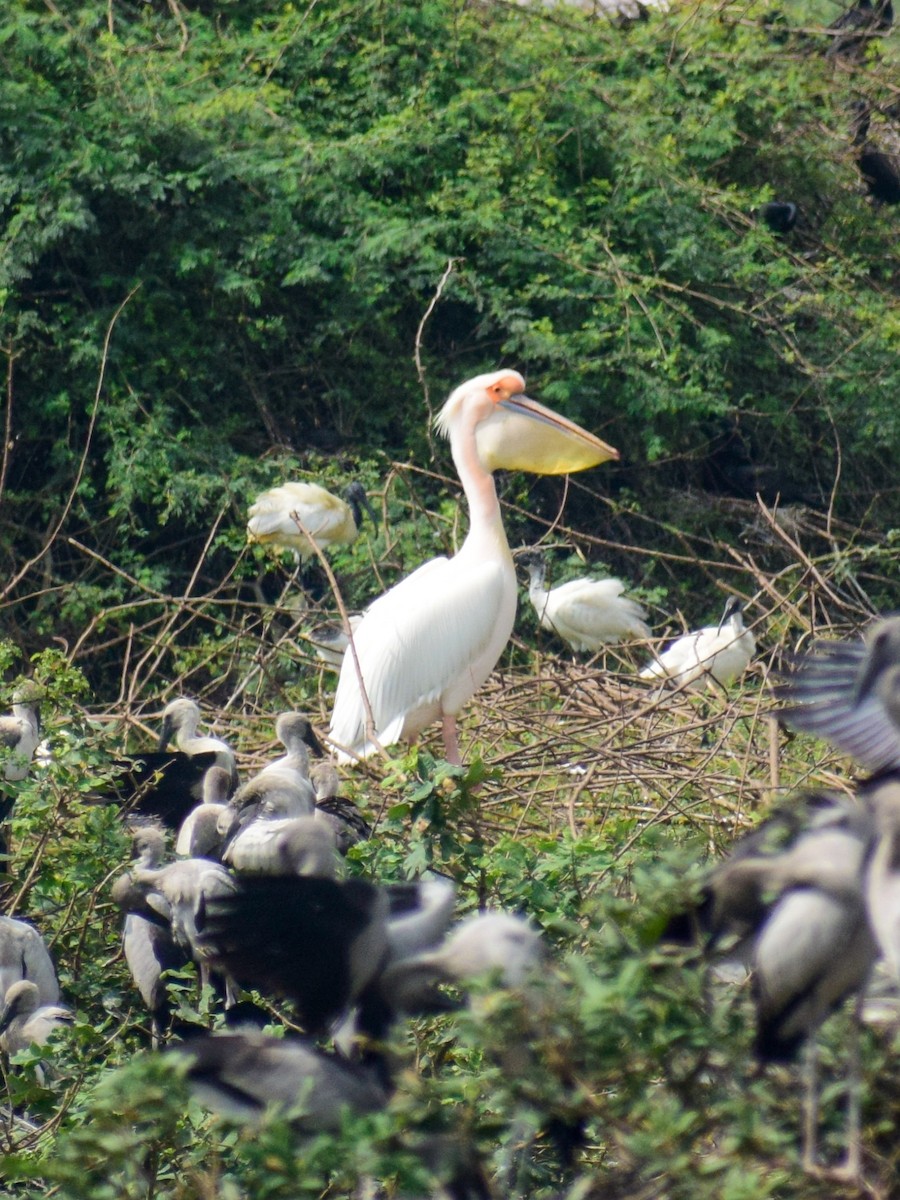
485 521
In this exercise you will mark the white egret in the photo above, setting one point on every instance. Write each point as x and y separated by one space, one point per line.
714 654
587 613
425 646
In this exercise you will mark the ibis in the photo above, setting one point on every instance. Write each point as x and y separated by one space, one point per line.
716 654
587 613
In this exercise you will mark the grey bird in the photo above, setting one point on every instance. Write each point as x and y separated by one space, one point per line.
199 835
20 731
147 939
25 1021
24 955
342 816
849 694
241 1075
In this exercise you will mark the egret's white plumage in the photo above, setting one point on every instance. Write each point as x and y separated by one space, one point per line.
716 653
328 519
430 642
586 613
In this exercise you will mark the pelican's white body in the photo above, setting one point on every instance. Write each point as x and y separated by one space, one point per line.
429 643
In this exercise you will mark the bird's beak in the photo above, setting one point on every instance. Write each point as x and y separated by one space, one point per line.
522 435
165 735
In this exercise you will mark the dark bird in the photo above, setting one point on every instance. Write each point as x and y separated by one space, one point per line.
877 145
315 941
778 215
164 784
849 694
856 29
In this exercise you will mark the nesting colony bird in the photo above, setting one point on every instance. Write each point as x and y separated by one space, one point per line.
430 642
176 893
855 29
586 613
25 1021
779 215
714 654
326 518
792 896
343 817
21 731
275 841
165 784
240 1075
877 145
199 835
282 789
849 694
330 641
23 955
181 719
147 939
316 941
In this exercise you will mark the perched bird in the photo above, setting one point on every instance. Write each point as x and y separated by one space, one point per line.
344 818
21 731
877 146
173 893
716 653
147 938
25 1021
428 644
586 613
326 518
882 875
791 896
856 28
23 955
166 785
849 694
497 943
316 941
199 835
240 1075
779 215
330 641
181 719
282 789
271 843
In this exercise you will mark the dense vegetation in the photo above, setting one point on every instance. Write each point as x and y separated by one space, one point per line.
246 240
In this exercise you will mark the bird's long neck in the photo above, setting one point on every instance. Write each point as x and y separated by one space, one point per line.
485 522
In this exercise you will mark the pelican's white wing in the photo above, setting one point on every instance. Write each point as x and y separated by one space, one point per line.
424 647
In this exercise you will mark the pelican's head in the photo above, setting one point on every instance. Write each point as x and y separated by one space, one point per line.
516 433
